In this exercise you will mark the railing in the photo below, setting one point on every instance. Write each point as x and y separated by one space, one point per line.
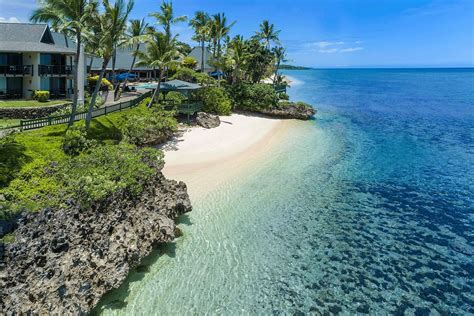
16 70
10 94
54 70
62 119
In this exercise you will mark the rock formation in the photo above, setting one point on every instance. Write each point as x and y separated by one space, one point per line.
207 120
291 110
62 261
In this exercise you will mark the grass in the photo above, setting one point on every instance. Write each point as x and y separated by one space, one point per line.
9 122
29 103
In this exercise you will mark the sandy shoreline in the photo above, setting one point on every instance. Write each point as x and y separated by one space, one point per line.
206 158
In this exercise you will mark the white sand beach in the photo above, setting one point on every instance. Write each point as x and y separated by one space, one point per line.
205 158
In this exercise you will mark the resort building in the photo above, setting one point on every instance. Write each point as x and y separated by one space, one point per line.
32 57
196 53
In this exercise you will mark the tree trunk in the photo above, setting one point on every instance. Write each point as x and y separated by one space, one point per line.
94 95
76 81
157 90
131 68
276 72
90 65
202 56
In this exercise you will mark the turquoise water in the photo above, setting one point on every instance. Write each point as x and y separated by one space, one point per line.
367 209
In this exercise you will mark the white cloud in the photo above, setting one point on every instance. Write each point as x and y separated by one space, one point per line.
11 19
324 44
351 49
328 51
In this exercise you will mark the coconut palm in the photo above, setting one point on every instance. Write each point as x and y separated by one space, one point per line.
237 52
161 53
108 30
280 56
268 34
200 24
70 17
135 36
166 18
220 29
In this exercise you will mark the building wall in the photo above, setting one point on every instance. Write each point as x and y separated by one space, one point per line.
31 83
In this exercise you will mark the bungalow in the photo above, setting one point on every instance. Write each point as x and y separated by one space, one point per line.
196 53
32 57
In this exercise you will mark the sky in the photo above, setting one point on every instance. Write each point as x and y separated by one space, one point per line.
334 33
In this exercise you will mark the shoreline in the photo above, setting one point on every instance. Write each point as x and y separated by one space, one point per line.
206 158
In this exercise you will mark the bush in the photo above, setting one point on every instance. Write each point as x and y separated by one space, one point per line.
189 62
299 104
253 96
41 95
216 100
88 177
173 96
92 80
149 127
75 141
283 96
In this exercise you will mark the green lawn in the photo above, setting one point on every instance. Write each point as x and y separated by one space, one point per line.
9 122
29 103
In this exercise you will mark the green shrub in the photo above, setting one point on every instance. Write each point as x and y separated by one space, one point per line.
149 127
41 95
216 100
299 104
75 141
189 62
185 74
92 80
174 97
13 157
253 96
88 177
283 96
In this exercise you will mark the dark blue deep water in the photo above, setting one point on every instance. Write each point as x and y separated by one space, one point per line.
368 209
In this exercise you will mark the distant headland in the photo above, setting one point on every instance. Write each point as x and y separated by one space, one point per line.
292 67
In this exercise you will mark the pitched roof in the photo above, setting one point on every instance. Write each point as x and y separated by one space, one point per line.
29 37
196 52
176 84
123 60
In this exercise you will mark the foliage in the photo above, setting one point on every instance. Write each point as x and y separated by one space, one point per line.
283 96
189 62
216 100
88 177
150 127
92 80
253 96
185 74
173 97
40 95
75 141
29 103
268 34
13 157
184 48
299 104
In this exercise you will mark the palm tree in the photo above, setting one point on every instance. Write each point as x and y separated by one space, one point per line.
200 24
70 17
268 34
280 56
108 30
238 55
166 17
161 53
220 30
136 34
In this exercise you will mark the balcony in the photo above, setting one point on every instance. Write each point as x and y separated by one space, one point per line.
16 70
54 70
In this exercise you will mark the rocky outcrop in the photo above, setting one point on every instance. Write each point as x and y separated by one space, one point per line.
291 110
31 112
207 120
62 261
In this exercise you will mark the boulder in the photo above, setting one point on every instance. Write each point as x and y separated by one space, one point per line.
291 110
63 261
207 120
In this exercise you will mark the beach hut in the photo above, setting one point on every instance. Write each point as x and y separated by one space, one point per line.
188 108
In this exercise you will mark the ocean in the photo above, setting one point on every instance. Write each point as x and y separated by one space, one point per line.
366 209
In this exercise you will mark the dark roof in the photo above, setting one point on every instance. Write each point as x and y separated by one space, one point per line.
28 37
175 84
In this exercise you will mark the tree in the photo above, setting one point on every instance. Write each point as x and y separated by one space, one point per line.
259 60
135 36
70 17
200 24
219 30
166 18
161 53
237 54
107 30
268 34
280 56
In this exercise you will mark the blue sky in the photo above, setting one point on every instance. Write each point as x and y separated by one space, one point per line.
336 33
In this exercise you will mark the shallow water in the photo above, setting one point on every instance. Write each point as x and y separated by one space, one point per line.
367 209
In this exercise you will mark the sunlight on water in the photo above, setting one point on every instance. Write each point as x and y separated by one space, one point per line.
368 209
